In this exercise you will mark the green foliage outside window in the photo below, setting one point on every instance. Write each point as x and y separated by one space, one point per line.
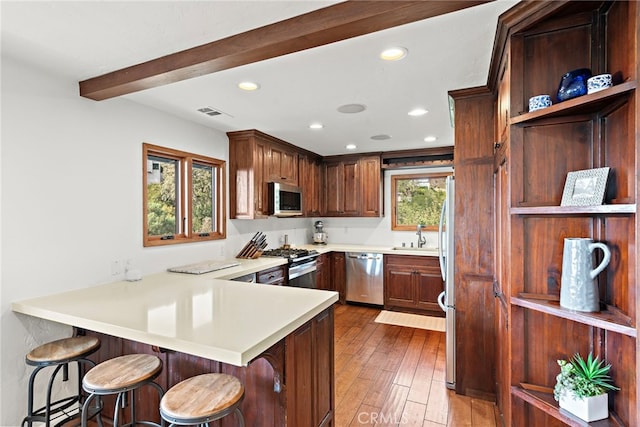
418 199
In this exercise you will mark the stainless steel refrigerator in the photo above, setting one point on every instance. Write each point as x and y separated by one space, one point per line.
446 299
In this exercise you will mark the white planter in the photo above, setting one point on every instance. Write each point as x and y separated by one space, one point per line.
589 409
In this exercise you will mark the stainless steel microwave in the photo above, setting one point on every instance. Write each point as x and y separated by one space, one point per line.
284 200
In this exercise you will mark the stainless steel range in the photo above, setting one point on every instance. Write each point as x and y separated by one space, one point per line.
301 265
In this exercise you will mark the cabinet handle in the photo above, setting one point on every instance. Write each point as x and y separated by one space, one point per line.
496 145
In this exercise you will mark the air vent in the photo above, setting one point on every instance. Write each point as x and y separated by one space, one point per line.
209 111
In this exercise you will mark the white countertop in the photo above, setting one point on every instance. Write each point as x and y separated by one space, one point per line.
204 315
387 250
231 322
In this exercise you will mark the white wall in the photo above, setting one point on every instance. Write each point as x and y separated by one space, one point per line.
71 199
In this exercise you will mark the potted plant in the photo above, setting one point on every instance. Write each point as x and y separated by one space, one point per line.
582 387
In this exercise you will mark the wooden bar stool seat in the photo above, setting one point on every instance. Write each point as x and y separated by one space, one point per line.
59 353
122 375
203 398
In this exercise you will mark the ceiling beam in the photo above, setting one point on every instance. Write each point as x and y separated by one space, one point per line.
328 25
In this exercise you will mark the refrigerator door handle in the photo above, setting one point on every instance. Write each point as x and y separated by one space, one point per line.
442 244
441 301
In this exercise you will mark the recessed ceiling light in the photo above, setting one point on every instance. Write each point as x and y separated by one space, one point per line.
393 54
351 108
350 146
381 137
248 86
430 139
316 126
418 112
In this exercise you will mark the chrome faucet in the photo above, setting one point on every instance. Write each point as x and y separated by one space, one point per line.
421 239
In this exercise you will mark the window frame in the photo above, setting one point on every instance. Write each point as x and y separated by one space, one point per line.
184 200
394 199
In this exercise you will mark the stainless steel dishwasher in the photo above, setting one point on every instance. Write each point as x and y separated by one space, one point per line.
365 278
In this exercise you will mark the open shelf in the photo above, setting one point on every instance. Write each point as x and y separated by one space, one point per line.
546 403
583 104
621 209
610 319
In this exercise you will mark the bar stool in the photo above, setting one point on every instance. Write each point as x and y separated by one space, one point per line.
119 376
201 399
59 353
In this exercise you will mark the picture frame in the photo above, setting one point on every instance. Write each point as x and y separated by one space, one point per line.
585 187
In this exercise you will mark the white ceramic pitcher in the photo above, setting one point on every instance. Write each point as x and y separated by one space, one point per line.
578 287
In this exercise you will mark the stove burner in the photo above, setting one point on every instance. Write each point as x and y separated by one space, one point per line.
289 253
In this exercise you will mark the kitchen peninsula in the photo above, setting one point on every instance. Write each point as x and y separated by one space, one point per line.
277 340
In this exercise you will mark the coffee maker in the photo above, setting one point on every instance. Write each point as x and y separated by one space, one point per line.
319 236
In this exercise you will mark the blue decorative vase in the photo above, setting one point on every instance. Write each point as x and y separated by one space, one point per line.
573 84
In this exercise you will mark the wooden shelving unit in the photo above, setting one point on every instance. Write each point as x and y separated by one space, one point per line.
538 42
609 319
546 403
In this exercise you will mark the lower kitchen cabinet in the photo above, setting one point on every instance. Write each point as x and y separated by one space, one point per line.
339 275
309 357
412 283
273 276
290 384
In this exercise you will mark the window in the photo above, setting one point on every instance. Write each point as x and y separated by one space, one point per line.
417 199
184 197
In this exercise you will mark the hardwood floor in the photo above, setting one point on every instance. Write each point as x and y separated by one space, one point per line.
394 376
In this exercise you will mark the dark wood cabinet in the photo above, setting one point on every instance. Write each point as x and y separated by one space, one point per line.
283 164
273 276
352 186
370 186
334 186
537 46
311 184
342 190
412 283
290 384
323 271
338 279
309 357
248 152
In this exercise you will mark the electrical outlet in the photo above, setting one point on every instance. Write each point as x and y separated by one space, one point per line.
116 268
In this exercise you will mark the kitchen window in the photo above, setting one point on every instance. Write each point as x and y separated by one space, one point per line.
417 199
184 197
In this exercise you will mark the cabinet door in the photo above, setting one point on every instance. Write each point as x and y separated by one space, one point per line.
429 285
334 189
283 165
259 183
324 366
323 272
371 186
351 185
399 286
273 276
299 377
310 175
338 279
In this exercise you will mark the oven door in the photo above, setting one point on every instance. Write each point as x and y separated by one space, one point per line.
303 275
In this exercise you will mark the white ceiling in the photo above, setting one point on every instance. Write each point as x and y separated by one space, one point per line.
84 39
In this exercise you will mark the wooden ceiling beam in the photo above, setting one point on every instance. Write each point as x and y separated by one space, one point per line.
328 25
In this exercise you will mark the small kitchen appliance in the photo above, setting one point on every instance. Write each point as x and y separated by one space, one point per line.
319 236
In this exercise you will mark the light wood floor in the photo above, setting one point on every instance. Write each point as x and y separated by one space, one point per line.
394 376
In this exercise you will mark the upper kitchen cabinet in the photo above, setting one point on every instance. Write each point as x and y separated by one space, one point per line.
255 159
353 186
248 151
283 164
310 167
536 44
370 186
